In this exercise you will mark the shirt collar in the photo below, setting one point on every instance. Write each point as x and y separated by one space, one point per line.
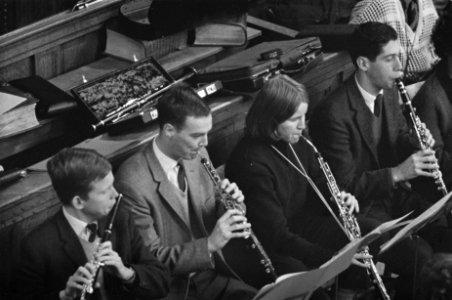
77 225
368 97
167 162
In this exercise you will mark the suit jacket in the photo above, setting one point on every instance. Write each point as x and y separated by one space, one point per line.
341 128
434 108
53 252
161 219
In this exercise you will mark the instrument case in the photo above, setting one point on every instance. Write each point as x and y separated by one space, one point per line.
107 101
249 69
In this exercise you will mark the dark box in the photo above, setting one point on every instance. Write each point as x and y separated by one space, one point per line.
249 69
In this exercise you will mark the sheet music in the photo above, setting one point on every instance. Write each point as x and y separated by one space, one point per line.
427 216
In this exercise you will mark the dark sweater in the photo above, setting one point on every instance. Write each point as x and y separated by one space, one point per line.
280 203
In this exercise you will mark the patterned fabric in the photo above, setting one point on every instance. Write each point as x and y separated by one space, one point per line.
417 43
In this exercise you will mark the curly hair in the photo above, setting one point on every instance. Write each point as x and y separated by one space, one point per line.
441 33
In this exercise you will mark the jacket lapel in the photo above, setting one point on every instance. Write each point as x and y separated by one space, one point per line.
164 186
71 243
362 120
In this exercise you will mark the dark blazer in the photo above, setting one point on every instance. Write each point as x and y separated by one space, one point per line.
53 252
341 128
161 219
434 108
280 203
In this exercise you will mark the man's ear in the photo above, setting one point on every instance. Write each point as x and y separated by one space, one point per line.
168 130
362 63
78 203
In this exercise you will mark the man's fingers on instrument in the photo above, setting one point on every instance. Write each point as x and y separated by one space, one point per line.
77 284
359 264
237 219
362 256
227 215
78 280
233 212
232 189
85 271
425 173
224 183
239 234
240 225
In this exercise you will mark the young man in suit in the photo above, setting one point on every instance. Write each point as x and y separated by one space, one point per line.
58 258
173 202
362 134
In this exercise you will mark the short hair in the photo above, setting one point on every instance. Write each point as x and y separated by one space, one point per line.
368 40
178 103
74 170
441 33
276 102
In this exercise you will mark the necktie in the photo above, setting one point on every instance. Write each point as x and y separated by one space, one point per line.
92 228
377 105
181 177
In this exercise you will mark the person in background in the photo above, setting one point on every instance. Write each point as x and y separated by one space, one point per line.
174 204
433 102
58 257
363 135
413 20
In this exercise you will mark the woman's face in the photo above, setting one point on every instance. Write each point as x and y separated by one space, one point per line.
290 130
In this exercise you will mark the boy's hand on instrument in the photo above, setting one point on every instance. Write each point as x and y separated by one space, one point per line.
75 283
113 262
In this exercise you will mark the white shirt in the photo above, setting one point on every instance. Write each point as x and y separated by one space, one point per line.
169 165
77 225
369 99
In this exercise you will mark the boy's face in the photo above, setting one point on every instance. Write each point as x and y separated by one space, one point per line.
386 67
101 198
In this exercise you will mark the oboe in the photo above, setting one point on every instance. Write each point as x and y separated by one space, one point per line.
231 203
349 221
419 131
88 288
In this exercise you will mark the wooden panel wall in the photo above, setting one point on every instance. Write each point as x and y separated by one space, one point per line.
57 44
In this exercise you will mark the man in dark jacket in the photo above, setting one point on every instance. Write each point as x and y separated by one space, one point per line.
363 135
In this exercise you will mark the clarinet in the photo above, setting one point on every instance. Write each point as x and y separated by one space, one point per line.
349 221
419 131
88 288
230 203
